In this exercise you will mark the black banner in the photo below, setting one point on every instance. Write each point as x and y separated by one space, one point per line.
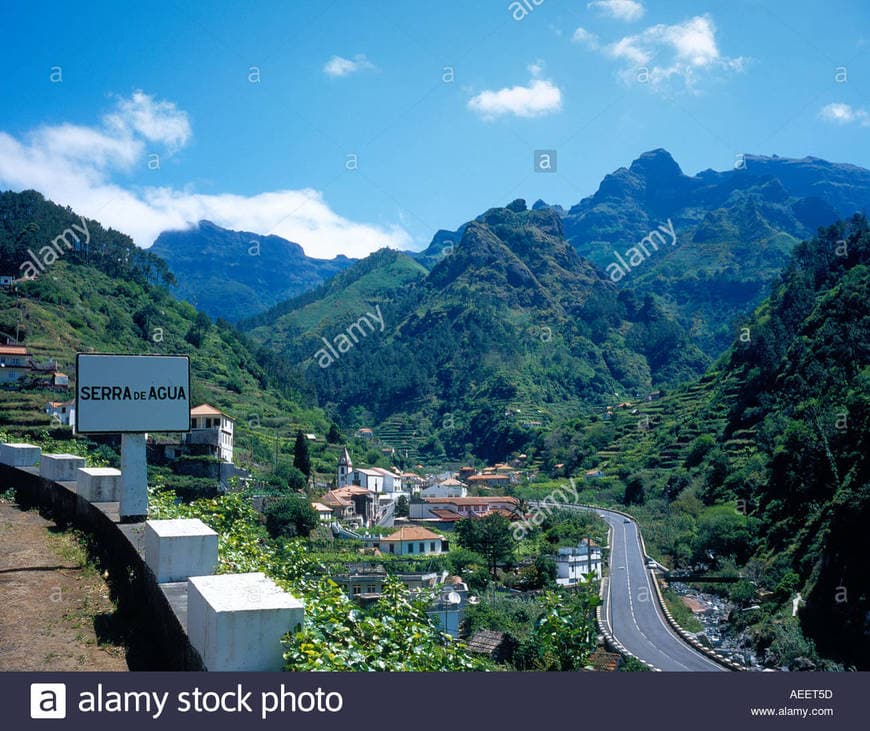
620 701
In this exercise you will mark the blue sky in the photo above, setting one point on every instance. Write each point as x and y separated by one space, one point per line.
255 111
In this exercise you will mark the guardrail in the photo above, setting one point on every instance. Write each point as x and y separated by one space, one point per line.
162 571
158 630
683 633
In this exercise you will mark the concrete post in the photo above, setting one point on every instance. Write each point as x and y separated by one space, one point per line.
98 484
134 479
19 455
236 621
177 549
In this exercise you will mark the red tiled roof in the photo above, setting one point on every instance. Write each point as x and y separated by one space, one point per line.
445 514
412 533
13 350
488 478
333 499
471 500
206 410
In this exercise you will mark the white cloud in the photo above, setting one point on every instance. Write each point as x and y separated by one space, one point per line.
155 121
679 53
539 98
338 66
74 165
619 9
536 68
584 37
839 113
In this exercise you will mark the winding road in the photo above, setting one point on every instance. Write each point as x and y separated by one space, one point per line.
631 608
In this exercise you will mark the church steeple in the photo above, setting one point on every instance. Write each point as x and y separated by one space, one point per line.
345 466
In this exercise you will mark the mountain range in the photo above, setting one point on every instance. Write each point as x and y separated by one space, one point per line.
506 338
732 233
237 274
508 329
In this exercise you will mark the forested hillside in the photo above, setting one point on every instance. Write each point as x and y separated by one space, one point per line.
237 274
760 469
735 229
508 330
107 295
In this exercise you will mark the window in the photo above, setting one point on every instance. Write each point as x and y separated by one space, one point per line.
422 548
432 546
356 589
392 548
410 548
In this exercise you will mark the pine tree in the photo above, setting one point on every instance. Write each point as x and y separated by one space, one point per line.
301 458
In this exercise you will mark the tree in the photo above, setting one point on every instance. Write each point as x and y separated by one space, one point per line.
566 634
403 508
290 517
301 458
296 479
635 491
333 436
489 536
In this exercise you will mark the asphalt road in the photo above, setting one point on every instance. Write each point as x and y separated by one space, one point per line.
632 608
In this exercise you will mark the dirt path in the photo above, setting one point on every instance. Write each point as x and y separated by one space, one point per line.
54 606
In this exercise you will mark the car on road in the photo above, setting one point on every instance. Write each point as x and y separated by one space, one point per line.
626 521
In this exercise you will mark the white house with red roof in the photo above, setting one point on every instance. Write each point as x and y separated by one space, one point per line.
412 540
213 427
15 363
62 412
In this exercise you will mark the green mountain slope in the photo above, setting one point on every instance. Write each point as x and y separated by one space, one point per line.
377 280
237 274
761 467
734 230
509 329
109 305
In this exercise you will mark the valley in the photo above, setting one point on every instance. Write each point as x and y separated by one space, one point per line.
716 391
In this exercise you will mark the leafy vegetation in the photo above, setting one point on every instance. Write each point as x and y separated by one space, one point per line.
508 331
290 516
760 469
395 634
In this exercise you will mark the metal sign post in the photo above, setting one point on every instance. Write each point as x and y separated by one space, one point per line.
132 395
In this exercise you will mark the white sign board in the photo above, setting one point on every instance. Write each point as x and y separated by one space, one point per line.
132 393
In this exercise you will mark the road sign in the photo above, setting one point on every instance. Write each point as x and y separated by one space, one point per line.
132 393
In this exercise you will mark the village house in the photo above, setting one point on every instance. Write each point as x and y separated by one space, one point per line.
489 480
62 412
362 582
211 427
351 504
451 487
15 363
412 540
370 479
392 482
412 483
6 280
324 512
575 563
465 473
451 509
